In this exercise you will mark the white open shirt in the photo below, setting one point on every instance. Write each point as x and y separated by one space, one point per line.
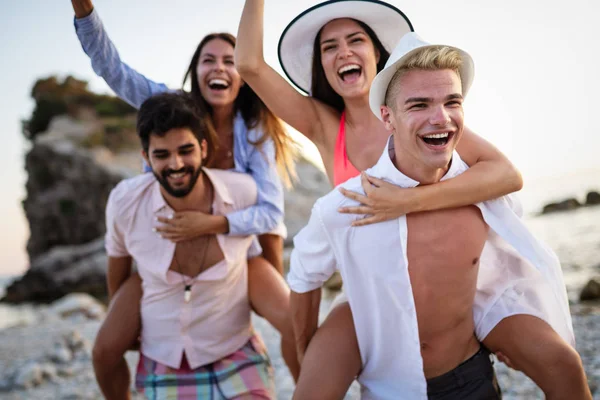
517 275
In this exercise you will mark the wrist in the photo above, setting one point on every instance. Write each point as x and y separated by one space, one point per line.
414 201
220 224
83 11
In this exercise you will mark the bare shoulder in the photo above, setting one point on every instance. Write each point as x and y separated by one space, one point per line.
238 186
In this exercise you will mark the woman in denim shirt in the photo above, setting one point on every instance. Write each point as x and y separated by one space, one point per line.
250 139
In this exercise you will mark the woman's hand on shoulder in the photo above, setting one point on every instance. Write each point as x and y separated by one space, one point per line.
382 201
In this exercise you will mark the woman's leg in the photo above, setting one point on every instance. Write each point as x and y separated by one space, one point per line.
119 332
332 360
272 246
534 348
270 298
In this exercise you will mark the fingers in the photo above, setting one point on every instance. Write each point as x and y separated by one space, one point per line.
356 210
375 181
356 196
367 221
365 183
165 220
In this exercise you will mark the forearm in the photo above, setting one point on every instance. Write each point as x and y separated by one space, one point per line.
255 220
486 180
217 224
126 82
249 47
118 272
82 8
305 317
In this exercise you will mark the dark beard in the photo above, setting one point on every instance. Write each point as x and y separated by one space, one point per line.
162 179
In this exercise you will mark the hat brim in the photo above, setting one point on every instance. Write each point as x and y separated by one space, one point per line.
295 48
380 84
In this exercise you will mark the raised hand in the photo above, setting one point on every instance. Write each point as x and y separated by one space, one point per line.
82 8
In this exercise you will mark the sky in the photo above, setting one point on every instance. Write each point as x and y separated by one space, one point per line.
535 94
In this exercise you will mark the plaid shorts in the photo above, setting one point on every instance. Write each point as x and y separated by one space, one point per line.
247 372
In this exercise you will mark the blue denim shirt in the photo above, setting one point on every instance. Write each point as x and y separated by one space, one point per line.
267 215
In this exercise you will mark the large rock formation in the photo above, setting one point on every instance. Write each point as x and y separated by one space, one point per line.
67 188
66 196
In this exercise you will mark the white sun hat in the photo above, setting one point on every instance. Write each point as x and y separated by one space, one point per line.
407 46
295 48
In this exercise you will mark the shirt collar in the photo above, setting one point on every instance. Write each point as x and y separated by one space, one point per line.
222 194
386 169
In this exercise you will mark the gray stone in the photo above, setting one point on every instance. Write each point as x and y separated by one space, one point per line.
62 270
65 371
565 205
592 198
591 291
29 375
61 355
78 303
49 371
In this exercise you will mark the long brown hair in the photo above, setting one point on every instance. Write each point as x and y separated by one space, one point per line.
320 88
254 112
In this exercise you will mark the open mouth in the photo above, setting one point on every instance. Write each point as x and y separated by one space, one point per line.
218 84
177 175
350 73
437 139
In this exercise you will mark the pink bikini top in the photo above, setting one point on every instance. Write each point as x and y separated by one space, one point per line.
342 167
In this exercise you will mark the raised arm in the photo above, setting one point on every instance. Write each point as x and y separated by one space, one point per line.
301 112
491 175
126 82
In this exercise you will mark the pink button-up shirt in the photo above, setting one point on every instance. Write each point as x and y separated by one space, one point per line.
216 321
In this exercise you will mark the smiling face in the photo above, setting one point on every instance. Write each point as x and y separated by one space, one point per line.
348 57
176 159
218 80
426 117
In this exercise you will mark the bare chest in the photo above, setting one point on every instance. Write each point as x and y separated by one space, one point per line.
194 256
444 246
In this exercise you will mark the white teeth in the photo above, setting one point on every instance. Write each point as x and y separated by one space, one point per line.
220 82
437 136
348 68
178 175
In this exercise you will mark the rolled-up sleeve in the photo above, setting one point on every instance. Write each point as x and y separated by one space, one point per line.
126 82
267 214
313 260
114 240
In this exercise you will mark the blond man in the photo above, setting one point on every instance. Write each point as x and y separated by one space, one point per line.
421 299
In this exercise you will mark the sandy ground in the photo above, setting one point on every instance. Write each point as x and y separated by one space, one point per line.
34 339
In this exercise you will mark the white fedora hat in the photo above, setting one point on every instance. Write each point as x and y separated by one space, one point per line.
295 48
407 46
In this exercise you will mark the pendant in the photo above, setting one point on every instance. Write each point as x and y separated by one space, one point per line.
187 294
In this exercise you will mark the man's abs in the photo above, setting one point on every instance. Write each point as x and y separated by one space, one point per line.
444 248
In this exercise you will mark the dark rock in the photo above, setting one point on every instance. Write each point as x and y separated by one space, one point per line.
592 198
565 205
591 291
66 196
60 271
